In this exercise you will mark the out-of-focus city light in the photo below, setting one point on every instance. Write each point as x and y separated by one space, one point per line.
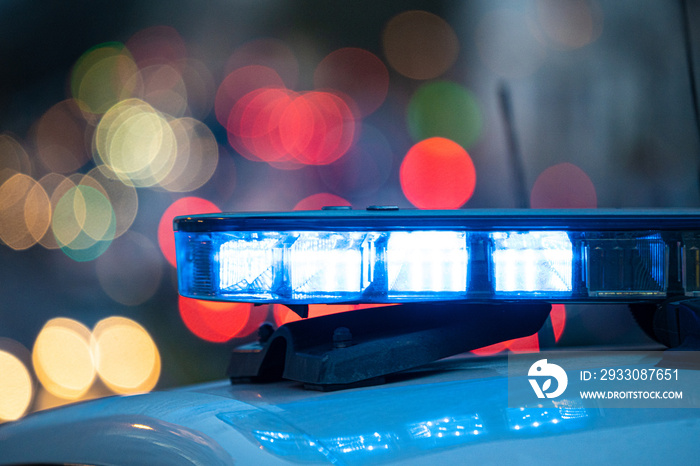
126 358
122 197
162 87
239 83
59 137
25 212
215 321
279 125
183 206
570 24
83 223
103 76
437 173
420 45
563 186
356 73
136 143
447 110
196 159
62 358
16 383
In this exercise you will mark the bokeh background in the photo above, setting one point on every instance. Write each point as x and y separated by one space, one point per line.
117 116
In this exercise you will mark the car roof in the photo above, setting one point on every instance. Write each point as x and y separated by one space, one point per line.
452 410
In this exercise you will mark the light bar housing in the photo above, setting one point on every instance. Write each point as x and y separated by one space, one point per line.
395 256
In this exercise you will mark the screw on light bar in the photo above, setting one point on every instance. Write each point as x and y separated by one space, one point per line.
408 256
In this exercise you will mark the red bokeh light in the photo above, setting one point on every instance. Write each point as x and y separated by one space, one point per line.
563 186
184 206
239 83
253 124
558 318
357 73
258 315
215 321
437 173
279 125
316 201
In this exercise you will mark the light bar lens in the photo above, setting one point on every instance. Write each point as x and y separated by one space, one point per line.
426 261
536 263
326 263
624 265
399 265
247 261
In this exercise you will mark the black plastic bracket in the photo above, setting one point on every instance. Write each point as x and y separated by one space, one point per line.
342 350
677 324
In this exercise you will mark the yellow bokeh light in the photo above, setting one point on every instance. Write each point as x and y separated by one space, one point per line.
128 360
197 156
83 209
102 77
16 384
123 198
62 358
136 144
55 186
164 89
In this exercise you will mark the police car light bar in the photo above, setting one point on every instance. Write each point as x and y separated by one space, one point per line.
395 256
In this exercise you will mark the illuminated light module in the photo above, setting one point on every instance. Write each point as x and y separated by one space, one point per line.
396 256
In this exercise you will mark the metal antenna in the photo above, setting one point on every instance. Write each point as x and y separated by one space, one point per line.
522 199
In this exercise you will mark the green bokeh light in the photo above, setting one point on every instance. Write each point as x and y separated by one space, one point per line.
84 223
444 109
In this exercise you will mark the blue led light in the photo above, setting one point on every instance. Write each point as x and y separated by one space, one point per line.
326 262
532 262
427 261
246 262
